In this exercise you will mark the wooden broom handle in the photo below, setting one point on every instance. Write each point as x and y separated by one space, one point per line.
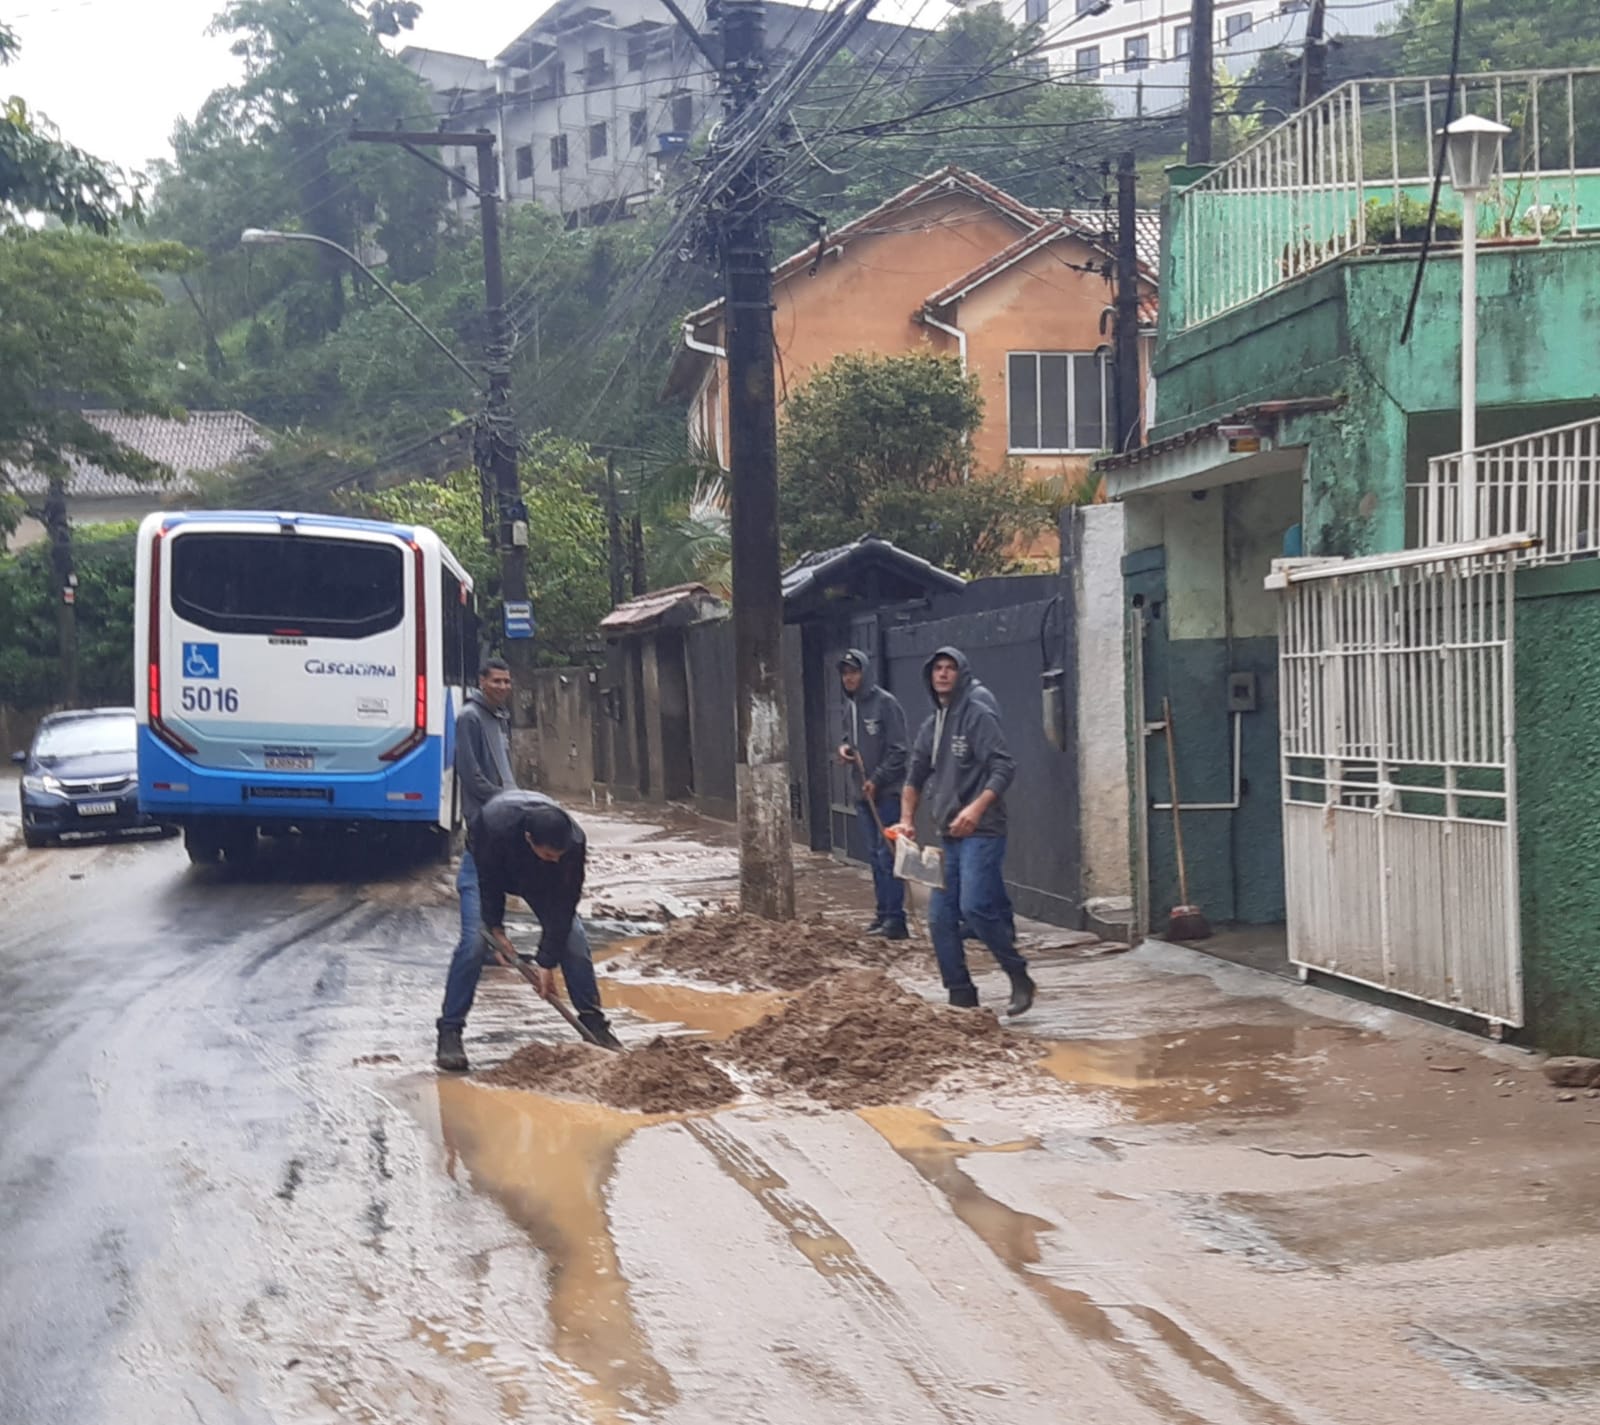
1172 784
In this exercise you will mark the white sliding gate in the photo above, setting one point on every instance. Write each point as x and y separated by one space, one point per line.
1399 774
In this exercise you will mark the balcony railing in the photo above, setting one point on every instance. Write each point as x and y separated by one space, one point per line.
1546 484
1355 170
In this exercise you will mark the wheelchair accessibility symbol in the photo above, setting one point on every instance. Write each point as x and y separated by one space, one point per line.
200 660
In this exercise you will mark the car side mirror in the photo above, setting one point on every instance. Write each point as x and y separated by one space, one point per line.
20 758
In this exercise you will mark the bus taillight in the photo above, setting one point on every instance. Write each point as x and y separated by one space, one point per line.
153 654
419 727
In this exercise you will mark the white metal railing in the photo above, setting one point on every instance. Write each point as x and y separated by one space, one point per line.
1546 485
1355 170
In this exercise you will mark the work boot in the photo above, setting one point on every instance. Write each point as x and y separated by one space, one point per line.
1022 990
452 1057
875 927
964 997
889 930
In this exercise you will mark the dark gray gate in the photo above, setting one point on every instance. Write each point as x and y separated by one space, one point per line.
1009 649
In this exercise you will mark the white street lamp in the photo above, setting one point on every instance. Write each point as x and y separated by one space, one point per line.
1472 154
271 237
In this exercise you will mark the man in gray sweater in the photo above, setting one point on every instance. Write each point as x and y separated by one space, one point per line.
961 763
483 770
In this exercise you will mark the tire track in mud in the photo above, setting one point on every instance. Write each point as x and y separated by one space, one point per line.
835 1259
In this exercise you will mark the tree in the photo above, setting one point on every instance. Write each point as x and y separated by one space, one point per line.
883 445
41 174
566 541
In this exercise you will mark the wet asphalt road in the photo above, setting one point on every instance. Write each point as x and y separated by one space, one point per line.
234 1191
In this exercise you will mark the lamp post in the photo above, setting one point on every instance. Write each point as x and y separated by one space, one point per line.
271 237
1472 152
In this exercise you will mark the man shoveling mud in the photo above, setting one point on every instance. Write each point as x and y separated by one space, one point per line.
875 743
527 845
961 759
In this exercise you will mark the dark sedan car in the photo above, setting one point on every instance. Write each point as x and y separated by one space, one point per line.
81 776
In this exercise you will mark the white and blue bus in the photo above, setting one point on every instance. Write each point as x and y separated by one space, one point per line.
298 672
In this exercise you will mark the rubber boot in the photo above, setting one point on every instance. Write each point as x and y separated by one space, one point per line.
1022 991
875 927
889 930
964 997
452 1057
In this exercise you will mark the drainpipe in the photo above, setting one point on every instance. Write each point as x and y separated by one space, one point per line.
929 319
702 347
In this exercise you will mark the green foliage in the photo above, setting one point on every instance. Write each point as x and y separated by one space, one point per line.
29 670
883 445
67 323
41 174
1411 220
567 578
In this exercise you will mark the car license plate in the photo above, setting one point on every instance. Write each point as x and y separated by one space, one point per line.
280 762
97 808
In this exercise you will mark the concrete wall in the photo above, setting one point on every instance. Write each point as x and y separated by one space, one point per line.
1558 791
563 710
1092 549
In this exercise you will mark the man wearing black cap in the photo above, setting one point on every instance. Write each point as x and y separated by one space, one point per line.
527 845
875 743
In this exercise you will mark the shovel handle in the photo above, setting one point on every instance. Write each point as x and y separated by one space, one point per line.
553 1001
872 806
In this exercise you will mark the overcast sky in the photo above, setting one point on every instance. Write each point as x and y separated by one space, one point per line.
114 74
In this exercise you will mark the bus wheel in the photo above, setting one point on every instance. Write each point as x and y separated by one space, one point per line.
203 846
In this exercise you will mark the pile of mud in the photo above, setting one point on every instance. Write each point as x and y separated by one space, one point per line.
857 1038
746 950
664 1076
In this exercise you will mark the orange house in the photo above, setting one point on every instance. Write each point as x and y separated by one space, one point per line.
955 265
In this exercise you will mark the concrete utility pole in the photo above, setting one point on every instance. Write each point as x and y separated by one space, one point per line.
744 244
1202 81
1129 404
495 448
616 556
1314 62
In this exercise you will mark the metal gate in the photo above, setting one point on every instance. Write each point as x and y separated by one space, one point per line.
1399 775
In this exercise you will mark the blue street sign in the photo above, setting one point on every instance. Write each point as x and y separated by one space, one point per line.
519 619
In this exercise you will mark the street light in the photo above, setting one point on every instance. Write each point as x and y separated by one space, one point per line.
1472 154
271 237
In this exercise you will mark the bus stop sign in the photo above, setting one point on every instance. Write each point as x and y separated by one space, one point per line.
519 619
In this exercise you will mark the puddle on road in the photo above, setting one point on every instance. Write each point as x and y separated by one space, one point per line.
547 1162
1237 1068
715 1014
1140 1344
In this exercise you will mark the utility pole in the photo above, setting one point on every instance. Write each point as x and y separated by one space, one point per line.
1314 63
1202 81
495 449
59 528
616 556
1126 352
744 248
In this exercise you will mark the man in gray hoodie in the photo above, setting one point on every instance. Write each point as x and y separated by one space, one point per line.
875 734
961 763
483 770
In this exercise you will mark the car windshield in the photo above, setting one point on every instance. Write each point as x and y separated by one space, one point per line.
84 737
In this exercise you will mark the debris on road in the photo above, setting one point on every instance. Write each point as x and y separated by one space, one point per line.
1572 1071
746 950
856 1039
665 1076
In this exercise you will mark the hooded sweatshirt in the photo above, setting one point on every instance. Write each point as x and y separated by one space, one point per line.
507 866
875 725
961 751
483 754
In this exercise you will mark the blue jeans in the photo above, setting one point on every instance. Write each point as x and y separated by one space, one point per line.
889 892
474 948
974 892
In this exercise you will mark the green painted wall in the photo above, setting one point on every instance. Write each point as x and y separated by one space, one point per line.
1558 803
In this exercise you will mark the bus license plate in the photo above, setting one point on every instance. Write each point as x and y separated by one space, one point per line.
282 762
96 808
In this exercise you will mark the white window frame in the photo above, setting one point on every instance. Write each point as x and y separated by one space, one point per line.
1104 367
1182 40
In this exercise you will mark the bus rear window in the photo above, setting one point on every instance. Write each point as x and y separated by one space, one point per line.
287 584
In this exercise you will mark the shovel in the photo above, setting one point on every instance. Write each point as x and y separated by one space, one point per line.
578 1026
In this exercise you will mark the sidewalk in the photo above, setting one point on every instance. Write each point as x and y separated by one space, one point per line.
1403 1219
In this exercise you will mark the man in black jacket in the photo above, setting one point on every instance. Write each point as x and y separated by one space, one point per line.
875 743
527 845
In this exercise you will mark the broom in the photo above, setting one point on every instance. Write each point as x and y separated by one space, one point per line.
1187 922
